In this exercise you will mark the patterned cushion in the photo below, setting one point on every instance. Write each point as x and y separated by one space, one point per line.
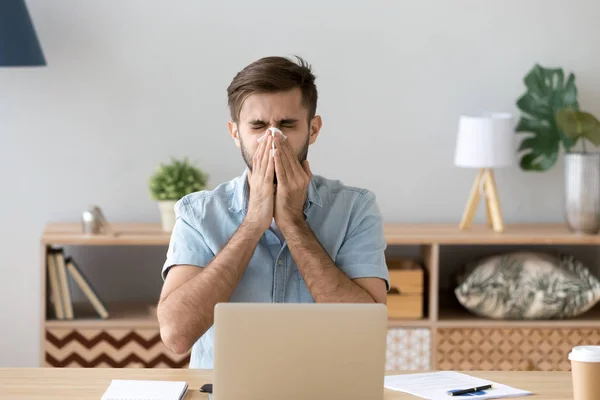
527 285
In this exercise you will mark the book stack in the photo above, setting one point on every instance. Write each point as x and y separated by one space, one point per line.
59 268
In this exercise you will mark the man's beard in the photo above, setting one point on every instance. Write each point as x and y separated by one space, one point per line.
248 157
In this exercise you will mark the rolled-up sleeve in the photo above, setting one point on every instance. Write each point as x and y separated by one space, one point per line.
362 254
187 244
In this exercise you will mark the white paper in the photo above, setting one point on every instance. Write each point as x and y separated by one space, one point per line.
435 386
145 390
272 131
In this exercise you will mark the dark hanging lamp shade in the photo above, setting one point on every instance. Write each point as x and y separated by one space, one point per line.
19 45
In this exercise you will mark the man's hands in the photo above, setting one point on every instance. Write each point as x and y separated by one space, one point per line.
262 191
286 201
292 185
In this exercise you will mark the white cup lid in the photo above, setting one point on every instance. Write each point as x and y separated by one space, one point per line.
585 354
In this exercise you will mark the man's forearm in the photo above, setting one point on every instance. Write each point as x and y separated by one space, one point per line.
189 310
325 281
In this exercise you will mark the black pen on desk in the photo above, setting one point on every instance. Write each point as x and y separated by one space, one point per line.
460 392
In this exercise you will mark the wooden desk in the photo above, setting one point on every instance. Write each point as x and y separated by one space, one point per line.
90 383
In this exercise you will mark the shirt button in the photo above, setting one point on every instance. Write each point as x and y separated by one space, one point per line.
280 262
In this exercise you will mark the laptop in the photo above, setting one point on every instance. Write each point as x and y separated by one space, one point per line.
267 351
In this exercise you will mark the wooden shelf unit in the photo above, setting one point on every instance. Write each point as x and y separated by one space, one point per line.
427 237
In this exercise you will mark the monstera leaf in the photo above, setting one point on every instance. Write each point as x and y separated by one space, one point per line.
579 125
547 93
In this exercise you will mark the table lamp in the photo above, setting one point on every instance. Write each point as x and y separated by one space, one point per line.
19 45
485 142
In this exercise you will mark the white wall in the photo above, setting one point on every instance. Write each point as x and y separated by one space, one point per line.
132 82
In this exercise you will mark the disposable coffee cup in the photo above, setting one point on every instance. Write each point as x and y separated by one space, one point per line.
585 372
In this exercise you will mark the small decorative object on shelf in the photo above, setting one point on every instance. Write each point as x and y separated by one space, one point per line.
527 285
170 183
582 171
485 142
94 222
551 118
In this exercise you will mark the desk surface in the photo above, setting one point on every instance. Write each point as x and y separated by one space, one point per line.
90 383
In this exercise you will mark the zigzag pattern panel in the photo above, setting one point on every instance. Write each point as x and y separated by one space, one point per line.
408 349
516 349
110 348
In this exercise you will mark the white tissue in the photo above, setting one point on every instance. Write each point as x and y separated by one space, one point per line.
272 130
275 130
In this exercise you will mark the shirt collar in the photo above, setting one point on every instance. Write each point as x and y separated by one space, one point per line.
239 197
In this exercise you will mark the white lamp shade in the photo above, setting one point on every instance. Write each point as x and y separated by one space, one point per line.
485 141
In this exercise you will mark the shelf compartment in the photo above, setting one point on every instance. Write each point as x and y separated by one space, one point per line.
510 348
109 347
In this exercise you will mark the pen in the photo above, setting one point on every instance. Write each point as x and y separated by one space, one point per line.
467 391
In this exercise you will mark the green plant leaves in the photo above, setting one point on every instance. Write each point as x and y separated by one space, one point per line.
579 125
175 180
541 149
547 93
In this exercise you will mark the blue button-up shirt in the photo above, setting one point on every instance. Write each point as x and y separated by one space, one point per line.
346 221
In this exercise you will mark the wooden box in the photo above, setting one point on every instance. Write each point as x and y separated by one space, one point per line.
405 300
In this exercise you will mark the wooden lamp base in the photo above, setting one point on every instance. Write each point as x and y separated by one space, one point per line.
485 179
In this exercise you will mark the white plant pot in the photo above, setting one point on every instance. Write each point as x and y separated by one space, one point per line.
582 196
167 214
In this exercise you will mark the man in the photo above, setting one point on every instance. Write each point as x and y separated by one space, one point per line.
278 233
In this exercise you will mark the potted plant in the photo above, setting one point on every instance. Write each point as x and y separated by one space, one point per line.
582 170
550 118
171 182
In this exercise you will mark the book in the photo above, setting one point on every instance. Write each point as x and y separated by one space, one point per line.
63 283
57 300
86 287
435 386
145 390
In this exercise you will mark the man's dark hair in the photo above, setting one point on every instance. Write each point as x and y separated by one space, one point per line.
270 75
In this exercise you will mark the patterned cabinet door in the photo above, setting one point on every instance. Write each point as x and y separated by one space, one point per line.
408 349
114 348
515 349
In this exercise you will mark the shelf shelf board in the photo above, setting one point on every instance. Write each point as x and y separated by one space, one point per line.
128 234
396 234
514 234
409 323
460 318
122 315
140 315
